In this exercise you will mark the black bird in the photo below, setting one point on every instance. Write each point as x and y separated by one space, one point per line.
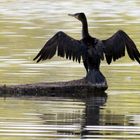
91 50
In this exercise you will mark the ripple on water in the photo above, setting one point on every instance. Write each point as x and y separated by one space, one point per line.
94 118
25 27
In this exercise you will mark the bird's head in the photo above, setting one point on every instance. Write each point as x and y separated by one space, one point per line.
79 16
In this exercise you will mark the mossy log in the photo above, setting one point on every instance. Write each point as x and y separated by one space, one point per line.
76 88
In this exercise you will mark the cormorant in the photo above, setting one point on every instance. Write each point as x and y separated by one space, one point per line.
91 50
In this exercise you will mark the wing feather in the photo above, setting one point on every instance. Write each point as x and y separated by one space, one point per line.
114 47
65 46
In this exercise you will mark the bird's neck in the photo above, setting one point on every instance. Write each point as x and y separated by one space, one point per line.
85 29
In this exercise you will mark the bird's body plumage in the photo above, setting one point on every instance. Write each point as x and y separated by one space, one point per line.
90 49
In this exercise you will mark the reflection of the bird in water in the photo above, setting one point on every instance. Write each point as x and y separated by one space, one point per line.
92 112
71 116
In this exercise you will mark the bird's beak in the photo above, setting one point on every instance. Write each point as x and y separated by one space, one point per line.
73 15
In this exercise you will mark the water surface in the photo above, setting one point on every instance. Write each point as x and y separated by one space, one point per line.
116 116
24 28
26 25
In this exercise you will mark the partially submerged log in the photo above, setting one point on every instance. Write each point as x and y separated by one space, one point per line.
76 88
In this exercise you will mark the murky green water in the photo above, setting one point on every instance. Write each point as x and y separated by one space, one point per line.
24 28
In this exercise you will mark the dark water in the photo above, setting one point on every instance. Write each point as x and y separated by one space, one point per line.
24 28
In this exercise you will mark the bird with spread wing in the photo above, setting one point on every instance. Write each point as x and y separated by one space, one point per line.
91 50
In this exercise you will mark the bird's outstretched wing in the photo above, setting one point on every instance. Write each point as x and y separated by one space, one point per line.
114 47
64 45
